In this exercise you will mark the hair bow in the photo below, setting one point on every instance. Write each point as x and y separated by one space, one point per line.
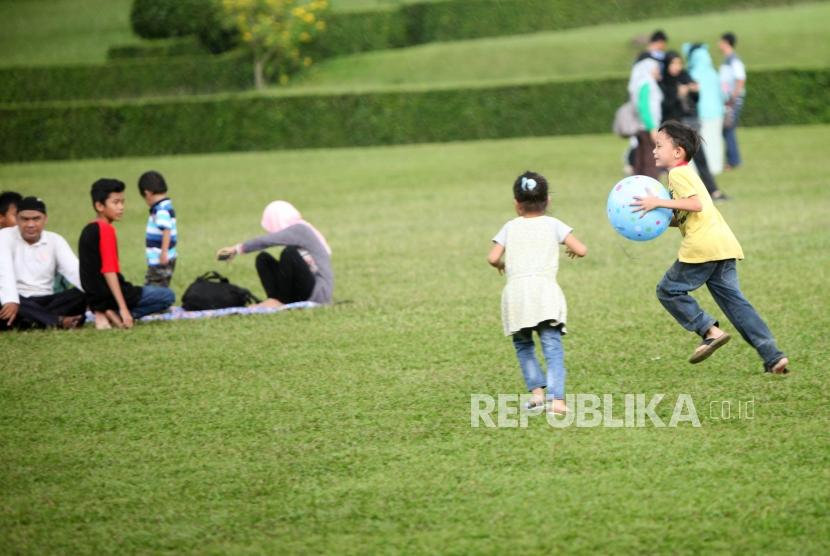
528 184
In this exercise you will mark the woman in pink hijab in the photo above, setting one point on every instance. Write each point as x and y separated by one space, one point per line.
303 271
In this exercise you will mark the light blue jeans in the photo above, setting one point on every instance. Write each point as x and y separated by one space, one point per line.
154 299
721 277
730 135
551 339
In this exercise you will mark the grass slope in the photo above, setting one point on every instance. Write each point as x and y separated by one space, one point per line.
792 36
45 32
347 429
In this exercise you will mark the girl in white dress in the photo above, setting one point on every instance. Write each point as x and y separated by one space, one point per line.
527 250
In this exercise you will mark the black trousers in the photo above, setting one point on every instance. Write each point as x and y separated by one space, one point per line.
45 310
288 280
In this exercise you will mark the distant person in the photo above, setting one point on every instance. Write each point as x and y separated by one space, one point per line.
707 255
527 250
114 301
710 104
645 94
8 208
680 96
733 82
30 258
303 271
656 49
161 233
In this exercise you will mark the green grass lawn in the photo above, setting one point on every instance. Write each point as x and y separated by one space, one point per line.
45 32
347 429
781 37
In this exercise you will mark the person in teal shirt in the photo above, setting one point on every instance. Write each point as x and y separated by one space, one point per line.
710 104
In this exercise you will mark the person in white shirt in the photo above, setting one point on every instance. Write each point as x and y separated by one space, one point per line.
30 258
733 82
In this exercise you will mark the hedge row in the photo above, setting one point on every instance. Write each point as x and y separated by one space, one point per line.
258 122
127 79
157 19
469 19
161 48
351 32
347 33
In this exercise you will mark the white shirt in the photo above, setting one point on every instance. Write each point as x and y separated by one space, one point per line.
731 71
532 294
29 270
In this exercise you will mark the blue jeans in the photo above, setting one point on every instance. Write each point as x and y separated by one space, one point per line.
551 339
733 155
721 277
154 299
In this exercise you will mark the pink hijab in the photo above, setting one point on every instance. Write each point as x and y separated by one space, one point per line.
279 215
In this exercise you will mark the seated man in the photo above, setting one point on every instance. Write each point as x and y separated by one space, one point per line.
30 258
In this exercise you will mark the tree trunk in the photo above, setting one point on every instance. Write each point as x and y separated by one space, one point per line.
259 73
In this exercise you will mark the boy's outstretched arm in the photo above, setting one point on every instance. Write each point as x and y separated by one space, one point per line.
495 257
650 202
123 311
573 247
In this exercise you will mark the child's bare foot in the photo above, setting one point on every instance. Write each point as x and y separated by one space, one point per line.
779 367
715 338
269 303
114 319
101 321
559 407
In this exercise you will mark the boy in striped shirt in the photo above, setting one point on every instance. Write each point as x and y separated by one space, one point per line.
161 230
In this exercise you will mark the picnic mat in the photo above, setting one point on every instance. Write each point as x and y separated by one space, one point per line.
177 313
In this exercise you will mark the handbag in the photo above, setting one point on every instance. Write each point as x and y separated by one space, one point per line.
211 290
626 121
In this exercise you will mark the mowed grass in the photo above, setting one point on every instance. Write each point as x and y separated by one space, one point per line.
780 37
48 32
347 429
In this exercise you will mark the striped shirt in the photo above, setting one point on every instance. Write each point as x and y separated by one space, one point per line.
162 217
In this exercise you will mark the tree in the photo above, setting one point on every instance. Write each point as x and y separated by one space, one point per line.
278 33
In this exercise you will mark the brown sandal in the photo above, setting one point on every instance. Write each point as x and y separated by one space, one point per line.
708 347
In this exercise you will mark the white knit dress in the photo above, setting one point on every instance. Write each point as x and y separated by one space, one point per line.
532 295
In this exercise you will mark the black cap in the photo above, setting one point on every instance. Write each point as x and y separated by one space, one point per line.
31 203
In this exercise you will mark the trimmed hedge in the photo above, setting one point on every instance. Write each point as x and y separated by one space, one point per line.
162 48
349 33
160 19
257 122
469 19
127 79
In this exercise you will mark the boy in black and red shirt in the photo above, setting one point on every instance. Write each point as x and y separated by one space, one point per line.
113 300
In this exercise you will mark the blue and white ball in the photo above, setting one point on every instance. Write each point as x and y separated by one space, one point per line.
629 224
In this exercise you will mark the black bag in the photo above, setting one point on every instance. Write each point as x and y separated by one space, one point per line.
211 290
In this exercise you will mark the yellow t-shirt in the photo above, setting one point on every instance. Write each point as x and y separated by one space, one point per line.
706 235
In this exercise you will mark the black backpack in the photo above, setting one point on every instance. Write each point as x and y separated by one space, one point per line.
211 290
